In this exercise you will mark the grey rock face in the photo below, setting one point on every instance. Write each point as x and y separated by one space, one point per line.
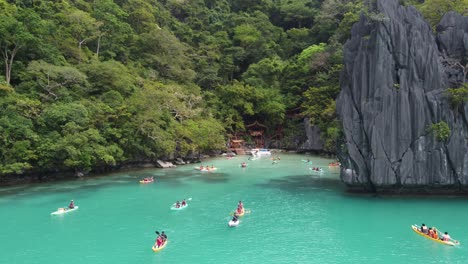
393 88
313 141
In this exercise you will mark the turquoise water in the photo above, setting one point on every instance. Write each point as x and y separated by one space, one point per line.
297 216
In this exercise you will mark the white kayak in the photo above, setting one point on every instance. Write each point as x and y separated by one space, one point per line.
233 224
173 207
64 211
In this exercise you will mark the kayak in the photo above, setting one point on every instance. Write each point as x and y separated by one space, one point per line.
233 224
180 208
143 181
206 169
64 211
157 249
448 243
241 214
319 170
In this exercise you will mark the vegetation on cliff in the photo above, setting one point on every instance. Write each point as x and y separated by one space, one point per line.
88 83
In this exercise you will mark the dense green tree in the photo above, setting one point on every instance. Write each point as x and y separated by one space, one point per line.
109 75
433 10
14 36
87 84
53 82
114 33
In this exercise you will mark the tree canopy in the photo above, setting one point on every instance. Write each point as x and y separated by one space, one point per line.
87 84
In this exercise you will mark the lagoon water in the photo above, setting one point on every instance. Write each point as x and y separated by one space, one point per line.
297 216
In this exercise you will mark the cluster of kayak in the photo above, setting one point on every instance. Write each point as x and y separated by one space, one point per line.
433 234
161 240
240 211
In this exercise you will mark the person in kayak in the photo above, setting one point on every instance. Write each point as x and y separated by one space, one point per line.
446 237
177 205
71 205
164 237
235 218
240 205
430 232
184 203
424 229
159 241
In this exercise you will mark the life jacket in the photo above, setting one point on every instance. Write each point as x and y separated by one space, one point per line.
159 241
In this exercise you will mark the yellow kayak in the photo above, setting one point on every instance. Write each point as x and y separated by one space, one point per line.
448 243
157 249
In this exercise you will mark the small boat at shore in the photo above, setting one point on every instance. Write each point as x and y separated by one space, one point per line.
417 229
260 152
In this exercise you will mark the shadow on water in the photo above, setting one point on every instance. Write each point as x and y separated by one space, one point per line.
89 185
305 183
213 178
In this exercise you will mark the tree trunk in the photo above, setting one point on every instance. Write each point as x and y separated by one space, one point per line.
9 58
98 46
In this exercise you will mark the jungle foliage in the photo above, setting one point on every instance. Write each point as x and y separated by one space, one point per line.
86 84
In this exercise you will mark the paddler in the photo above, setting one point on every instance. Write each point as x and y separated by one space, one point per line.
71 205
240 205
235 218
424 229
446 237
430 232
239 210
177 205
184 203
159 241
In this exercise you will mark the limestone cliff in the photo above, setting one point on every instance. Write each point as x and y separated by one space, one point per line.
393 88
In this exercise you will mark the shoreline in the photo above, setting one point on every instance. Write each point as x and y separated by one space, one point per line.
58 175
